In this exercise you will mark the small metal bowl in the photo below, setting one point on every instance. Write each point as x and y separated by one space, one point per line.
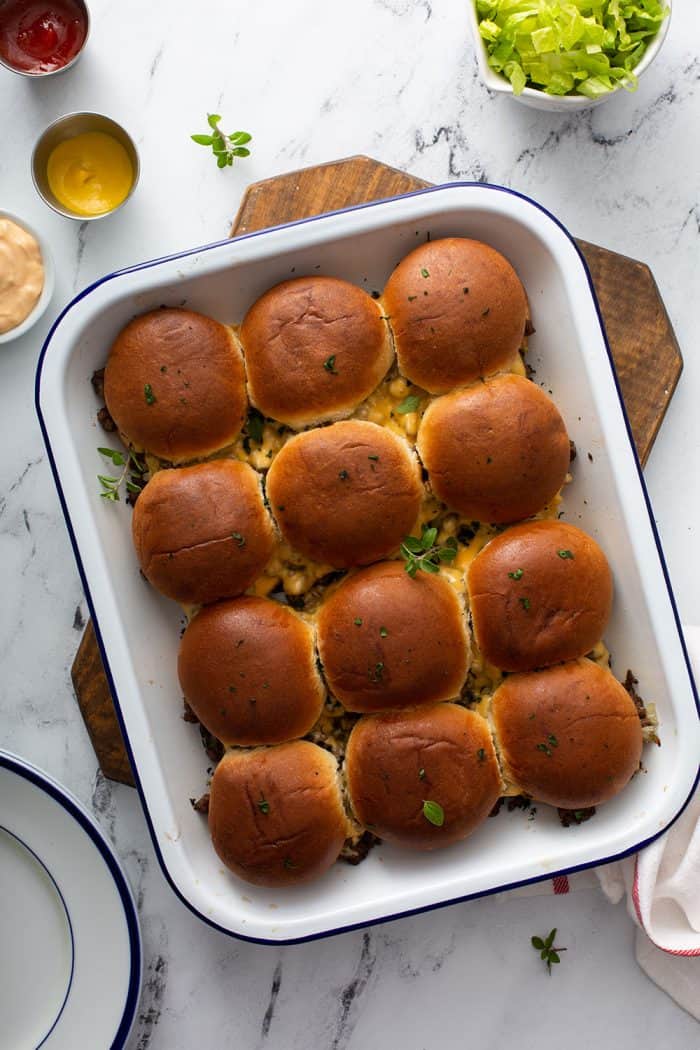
49 281
62 69
68 127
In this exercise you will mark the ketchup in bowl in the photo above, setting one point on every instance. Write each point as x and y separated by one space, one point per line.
41 36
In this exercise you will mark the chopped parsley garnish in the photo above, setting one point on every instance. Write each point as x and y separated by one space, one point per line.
517 575
254 425
358 621
149 395
409 404
411 298
525 602
433 812
375 458
421 774
424 272
240 540
566 555
375 673
263 805
546 746
383 632
329 365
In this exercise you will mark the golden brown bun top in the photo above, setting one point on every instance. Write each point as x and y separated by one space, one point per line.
174 384
441 753
345 494
276 814
202 533
569 736
457 310
540 593
497 451
315 347
387 640
248 670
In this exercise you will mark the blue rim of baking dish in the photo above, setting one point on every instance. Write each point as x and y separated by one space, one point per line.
105 662
59 794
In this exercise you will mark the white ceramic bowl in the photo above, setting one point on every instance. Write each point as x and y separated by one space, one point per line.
49 281
138 631
539 99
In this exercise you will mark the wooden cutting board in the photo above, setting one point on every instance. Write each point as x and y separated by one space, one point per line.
647 360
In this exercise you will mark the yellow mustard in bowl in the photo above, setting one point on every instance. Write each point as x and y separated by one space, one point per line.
91 173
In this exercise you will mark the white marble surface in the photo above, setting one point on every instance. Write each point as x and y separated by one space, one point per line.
315 81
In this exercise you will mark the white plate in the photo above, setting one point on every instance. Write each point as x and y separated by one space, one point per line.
138 631
70 949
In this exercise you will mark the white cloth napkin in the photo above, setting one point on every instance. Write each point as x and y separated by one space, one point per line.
662 884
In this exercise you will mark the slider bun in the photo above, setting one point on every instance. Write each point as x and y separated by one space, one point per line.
315 347
569 736
557 607
248 670
411 646
453 748
191 370
202 533
301 827
497 452
457 310
338 504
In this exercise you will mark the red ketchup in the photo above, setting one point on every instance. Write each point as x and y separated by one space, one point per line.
41 36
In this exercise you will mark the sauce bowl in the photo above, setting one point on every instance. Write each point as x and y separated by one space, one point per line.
67 127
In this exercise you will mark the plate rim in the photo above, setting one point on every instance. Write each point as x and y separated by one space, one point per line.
74 808
570 869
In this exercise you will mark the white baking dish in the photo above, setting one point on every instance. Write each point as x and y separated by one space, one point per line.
138 631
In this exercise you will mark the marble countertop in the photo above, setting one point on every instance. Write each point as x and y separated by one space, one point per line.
396 79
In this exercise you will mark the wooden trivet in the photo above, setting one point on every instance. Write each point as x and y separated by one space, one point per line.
647 360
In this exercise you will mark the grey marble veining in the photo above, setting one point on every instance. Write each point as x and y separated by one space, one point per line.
313 82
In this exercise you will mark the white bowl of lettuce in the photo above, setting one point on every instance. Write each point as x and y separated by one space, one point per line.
566 55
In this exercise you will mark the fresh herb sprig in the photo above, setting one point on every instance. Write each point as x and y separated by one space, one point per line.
131 466
224 147
426 553
549 953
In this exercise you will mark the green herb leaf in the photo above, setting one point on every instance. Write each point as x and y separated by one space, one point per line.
114 454
224 147
566 555
329 365
409 404
424 272
358 621
525 602
428 538
383 632
240 540
517 575
537 942
149 395
413 545
433 812
263 805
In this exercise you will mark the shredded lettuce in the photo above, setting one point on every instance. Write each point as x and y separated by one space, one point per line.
572 47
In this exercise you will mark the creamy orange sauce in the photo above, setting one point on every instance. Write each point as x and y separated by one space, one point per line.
21 274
